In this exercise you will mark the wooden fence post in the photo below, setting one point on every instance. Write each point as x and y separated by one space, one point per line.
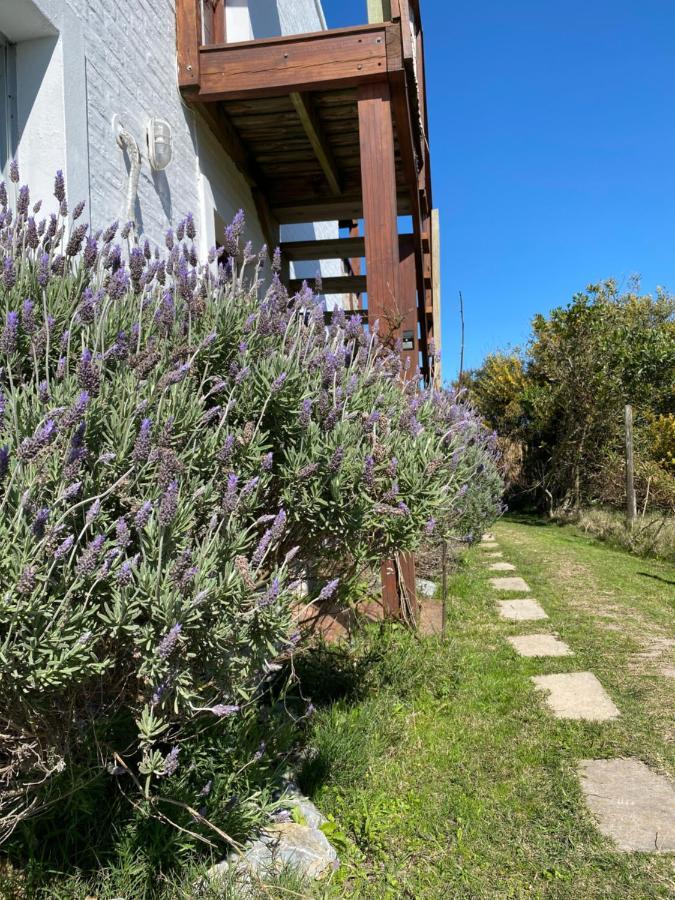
631 507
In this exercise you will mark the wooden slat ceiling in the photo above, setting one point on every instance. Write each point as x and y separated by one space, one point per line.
272 132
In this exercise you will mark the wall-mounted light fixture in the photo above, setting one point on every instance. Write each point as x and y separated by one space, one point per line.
408 341
159 143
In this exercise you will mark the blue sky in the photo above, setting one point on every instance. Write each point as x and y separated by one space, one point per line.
553 154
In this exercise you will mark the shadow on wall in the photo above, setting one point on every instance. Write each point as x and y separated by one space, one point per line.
264 16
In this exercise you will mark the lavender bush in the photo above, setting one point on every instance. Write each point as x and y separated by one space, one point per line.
175 453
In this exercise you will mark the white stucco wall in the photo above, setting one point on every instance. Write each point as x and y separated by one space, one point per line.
80 62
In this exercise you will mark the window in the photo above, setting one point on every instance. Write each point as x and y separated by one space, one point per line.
7 104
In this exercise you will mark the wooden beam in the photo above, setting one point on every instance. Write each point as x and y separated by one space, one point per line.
348 206
340 284
407 304
436 286
378 176
314 132
338 248
379 10
332 59
188 39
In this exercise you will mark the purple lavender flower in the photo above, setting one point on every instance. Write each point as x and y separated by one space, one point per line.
10 334
279 525
14 171
93 511
64 548
122 533
278 383
88 374
59 186
270 595
168 505
171 762
142 444
88 561
125 573
261 549
27 581
168 643
369 472
142 517
250 486
4 461
328 591
28 317
30 447
267 462
43 270
336 460
430 526
23 202
72 490
40 521
43 392
75 241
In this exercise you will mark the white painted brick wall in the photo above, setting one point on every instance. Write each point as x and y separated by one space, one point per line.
125 53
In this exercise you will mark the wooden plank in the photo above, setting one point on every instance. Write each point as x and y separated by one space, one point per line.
340 284
333 58
379 10
339 248
310 122
436 286
380 208
406 305
188 39
390 599
316 209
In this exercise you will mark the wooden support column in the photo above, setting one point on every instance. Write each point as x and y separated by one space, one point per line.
407 583
407 305
378 179
380 207
188 39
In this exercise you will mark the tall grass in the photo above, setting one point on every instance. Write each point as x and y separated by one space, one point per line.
652 534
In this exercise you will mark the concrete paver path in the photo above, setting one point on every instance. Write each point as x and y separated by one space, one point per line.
633 805
577 695
539 645
512 583
521 610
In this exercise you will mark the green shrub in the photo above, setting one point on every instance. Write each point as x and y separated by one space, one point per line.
176 454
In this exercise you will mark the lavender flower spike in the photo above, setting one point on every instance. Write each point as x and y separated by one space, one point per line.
168 505
171 761
328 590
169 641
224 709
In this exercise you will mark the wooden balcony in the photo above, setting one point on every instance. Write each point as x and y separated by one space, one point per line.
330 126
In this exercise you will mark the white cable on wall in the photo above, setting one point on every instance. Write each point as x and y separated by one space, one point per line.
127 142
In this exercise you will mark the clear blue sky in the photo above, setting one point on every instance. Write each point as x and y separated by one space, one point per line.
553 153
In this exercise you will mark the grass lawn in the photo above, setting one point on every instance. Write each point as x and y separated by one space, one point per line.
447 777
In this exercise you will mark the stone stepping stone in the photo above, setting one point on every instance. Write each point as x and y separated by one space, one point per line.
425 587
502 567
512 583
491 545
488 536
632 805
539 645
495 554
577 695
521 610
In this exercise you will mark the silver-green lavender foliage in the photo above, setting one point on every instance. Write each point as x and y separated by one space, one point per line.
174 453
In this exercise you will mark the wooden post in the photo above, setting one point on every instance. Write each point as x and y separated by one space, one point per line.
390 598
379 11
436 288
631 506
188 39
407 586
378 178
407 305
